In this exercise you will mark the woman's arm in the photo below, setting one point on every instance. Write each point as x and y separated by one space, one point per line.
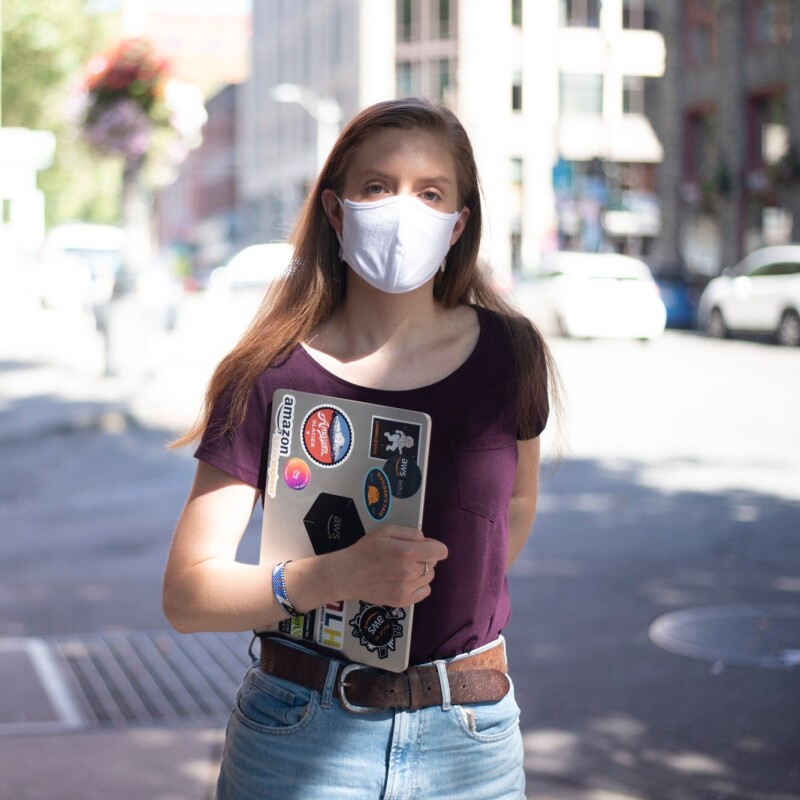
206 589
524 495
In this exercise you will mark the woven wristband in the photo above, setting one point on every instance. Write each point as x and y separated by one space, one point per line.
279 589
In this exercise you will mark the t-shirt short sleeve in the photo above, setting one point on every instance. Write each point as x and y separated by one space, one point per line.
240 452
540 409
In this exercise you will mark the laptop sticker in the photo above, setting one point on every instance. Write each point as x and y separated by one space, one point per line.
327 436
377 627
377 494
332 523
405 476
296 474
393 437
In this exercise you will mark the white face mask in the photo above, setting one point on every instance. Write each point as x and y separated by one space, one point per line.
395 244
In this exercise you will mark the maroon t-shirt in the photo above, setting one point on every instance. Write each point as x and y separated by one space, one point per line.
471 467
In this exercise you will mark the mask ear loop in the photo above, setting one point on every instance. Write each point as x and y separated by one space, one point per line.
339 235
444 260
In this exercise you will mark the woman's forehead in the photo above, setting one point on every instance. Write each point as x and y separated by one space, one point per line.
402 150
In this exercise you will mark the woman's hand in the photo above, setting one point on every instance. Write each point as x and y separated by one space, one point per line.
393 565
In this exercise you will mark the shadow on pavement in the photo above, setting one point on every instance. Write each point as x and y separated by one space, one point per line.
604 707
87 519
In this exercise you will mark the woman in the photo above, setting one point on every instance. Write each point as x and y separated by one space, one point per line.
384 303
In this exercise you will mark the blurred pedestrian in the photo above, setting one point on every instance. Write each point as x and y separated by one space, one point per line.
384 303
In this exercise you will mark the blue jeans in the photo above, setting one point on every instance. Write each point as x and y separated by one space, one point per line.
286 742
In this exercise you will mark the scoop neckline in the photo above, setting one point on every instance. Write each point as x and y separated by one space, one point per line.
450 375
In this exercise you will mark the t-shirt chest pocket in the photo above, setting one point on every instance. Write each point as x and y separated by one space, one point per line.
484 467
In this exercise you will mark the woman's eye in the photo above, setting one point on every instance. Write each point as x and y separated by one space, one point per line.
374 188
431 196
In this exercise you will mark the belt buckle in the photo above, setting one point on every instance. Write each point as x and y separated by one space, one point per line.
342 685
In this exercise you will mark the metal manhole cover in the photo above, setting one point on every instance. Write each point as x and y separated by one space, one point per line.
750 636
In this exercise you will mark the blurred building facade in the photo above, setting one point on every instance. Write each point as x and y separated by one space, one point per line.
610 58
334 50
198 216
23 153
554 96
207 41
730 121
208 45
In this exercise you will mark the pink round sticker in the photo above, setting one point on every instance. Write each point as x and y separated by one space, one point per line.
296 473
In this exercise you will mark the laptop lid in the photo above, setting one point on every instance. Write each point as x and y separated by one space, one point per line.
339 469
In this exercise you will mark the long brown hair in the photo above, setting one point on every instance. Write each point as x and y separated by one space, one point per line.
315 282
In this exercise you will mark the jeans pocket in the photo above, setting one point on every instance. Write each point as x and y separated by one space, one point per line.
490 722
272 705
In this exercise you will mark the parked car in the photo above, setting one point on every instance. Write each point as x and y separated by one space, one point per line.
593 295
77 264
760 295
254 267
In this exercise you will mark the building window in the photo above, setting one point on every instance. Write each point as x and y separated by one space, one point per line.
516 92
441 18
516 13
639 15
700 148
767 130
768 22
443 78
516 171
633 94
580 94
700 32
407 79
580 13
516 248
404 20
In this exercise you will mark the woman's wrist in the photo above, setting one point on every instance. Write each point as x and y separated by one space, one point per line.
279 589
313 582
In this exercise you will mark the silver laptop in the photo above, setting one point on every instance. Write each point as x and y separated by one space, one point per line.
338 469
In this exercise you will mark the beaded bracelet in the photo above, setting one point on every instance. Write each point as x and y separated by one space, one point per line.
279 589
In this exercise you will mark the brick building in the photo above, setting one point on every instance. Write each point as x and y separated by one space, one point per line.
730 125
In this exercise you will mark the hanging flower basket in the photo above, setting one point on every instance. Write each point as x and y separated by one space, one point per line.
132 107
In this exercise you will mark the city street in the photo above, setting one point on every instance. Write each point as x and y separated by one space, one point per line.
672 484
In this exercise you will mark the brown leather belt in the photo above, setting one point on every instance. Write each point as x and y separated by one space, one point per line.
479 678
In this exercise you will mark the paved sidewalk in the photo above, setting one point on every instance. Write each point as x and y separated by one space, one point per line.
51 382
135 763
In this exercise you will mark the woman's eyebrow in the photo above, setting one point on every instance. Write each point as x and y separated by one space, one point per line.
437 179
384 176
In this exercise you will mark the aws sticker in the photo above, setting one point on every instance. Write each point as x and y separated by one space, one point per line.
332 523
405 476
296 473
377 493
327 436
377 627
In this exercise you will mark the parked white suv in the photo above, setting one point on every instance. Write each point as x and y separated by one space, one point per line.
761 294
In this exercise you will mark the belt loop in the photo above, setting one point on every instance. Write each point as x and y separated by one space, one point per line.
330 682
441 668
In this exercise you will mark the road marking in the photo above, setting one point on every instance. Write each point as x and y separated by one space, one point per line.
53 684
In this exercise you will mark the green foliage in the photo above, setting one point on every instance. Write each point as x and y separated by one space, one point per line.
45 46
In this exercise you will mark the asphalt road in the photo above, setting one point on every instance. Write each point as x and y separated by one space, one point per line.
674 485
